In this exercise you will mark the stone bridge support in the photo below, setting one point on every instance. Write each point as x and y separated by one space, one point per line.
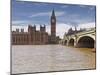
84 39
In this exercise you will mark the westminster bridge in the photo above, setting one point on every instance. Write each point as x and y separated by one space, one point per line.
83 39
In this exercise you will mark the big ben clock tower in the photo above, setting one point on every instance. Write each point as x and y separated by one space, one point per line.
53 27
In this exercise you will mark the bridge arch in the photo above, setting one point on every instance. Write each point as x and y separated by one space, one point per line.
89 35
71 42
65 42
86 42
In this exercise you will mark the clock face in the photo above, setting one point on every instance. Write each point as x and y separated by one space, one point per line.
53 20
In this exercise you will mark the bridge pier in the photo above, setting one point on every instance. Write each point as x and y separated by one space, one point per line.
75 43
94 49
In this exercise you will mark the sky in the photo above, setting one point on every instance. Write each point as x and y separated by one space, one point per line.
67 15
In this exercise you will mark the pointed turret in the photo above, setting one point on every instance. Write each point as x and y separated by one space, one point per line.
75 28
53 13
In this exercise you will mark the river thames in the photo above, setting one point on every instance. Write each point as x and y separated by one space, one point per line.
43 58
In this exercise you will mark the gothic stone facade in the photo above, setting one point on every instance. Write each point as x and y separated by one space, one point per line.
36 37
31 37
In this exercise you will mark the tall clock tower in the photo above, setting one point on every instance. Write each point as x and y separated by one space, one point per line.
53 27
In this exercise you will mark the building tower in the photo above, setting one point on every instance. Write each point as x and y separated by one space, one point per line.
53 27
42 28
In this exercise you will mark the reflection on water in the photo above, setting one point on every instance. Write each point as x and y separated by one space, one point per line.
43 58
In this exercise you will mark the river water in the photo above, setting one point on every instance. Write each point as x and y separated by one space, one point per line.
43 58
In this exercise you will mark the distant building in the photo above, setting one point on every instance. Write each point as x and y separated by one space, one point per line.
34 37
71 31
31 37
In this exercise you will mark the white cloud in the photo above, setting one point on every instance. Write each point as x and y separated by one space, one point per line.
23 22
25 27
92 8
40 14
83 6
17 22
61 29
20 27
58 13
64 6
86 25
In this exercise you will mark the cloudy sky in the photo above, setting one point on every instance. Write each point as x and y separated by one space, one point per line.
67 15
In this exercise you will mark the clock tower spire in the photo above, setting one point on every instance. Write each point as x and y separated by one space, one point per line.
53 27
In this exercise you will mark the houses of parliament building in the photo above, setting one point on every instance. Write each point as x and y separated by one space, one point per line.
35 37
